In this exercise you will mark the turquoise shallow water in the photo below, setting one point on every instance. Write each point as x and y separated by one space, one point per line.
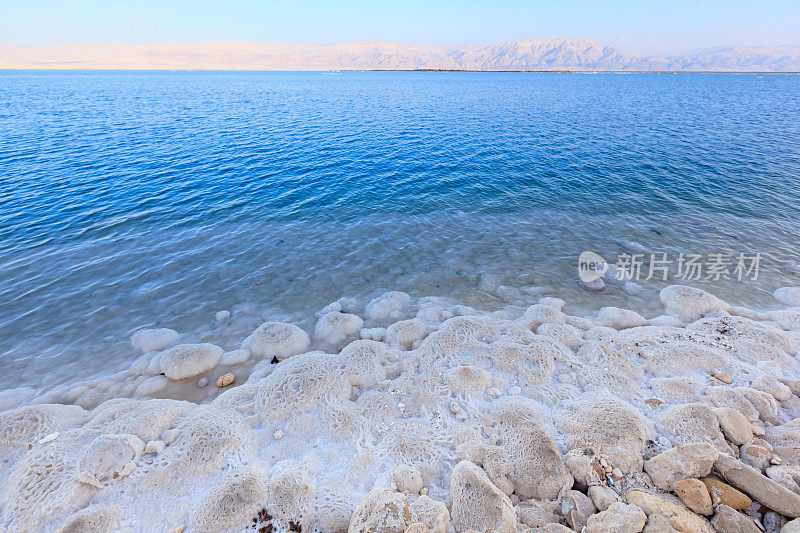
130 199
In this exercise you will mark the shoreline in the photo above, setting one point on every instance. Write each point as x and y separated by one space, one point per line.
421 404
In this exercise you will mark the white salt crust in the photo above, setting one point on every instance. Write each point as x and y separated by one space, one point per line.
403 414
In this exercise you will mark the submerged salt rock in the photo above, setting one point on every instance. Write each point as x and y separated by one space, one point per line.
788 295
153 340
617 318
234 357
387 307
768 492
671 507
690 303
477 503
381 511
189 360
334 329
687 461
277 340
618 518
109 458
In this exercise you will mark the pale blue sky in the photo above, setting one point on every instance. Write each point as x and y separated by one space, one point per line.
638 27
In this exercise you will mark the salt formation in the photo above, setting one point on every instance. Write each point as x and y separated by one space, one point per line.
424 415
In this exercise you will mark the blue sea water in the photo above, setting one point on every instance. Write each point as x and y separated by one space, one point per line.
131 199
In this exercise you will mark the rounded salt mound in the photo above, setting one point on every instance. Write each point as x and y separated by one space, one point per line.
277 339
690 303
189 360
152 340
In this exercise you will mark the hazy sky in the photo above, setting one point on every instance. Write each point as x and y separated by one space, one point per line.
634 26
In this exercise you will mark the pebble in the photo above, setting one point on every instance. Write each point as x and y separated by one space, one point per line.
278 435
49 438
722 493
722 376
694 494
178 529
455 408
154 446
222 316
225 380
202 382
596 285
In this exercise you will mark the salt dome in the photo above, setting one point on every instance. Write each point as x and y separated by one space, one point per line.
277 339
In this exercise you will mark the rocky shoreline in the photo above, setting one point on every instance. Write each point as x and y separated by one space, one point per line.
417 415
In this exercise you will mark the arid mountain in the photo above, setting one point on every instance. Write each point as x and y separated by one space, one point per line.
542 54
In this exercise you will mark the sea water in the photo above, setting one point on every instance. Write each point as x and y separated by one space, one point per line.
156 199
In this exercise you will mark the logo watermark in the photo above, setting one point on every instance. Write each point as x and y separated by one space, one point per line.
663 266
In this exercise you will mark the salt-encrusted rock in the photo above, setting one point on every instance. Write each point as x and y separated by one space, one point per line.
387 307
734 425
764 404
659 523
406 334
693 422
722 493
768 492
109 458
381 511
773 522
407 478
678 515
278 340
618 518
477 503
94 518
539 314
786 475
788 295
772 386
551 528
234 357
690 303
756 456
728 519
694 494
734 398
430 513
152 340
602 497
334 329
794 386
538 513
189 360
614 317
791 527
692 460
576 508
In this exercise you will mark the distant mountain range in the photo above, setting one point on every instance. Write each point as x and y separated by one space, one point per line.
541 54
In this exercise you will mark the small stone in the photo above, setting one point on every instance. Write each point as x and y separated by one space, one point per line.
49 438
154 446
653 402
278 435
729 519
202 382
723 494
222 316
694 494
594 285
455 408
602 497
494 392
734 425
722 376
618 518
776 460
178 529
225 380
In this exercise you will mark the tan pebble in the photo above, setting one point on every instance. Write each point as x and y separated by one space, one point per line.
178 529
722 493
278 435
454 407
653 402
494 392
722 376
225 380
776 460
694 494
